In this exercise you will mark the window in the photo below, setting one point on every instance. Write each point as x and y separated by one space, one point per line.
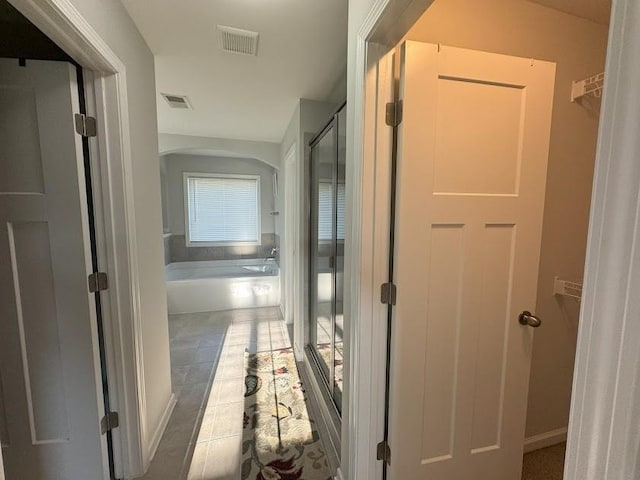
222 209
325 211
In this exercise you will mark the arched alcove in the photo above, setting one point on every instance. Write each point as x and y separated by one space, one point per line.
267 152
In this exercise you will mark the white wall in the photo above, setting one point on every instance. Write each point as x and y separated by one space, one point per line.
110 20
338 93
164 193
177 164
578 47
268 152
315 115
290 136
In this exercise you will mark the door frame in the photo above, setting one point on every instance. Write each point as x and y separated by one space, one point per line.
112 176
291 252
604 386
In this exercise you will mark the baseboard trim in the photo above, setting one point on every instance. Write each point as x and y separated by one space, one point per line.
162 426
546 439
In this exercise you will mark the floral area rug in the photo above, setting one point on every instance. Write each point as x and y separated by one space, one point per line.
279 440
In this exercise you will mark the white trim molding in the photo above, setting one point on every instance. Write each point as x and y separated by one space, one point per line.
289 251
367 325
162 426
546 439
604 437
367 222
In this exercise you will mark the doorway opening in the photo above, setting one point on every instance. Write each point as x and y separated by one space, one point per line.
226 327
235 170
457 435
241 407
55 404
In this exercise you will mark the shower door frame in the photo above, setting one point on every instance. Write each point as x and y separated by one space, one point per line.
327 382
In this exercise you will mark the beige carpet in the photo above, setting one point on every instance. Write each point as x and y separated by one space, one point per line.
544 464
279 438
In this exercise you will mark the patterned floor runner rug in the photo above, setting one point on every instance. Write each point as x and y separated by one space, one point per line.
280 441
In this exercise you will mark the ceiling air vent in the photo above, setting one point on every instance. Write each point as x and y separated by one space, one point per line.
235 40
177 101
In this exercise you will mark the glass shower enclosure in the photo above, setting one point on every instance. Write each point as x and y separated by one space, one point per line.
326 270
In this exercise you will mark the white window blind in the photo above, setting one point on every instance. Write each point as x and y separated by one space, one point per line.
223 209
325 211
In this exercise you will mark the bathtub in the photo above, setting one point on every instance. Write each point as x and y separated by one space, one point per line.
222 285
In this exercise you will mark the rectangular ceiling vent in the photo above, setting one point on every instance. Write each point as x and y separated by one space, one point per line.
235 40
177 101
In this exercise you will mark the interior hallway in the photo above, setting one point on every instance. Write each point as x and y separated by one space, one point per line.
203 439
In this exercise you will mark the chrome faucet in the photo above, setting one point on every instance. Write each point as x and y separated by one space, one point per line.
272 254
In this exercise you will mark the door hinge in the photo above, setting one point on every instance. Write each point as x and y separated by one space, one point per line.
388 293
109 422
393 116
383 452
85 125
98 281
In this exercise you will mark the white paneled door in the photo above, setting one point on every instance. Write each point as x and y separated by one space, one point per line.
472 160
50 383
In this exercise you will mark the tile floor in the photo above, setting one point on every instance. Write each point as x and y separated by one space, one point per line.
203 438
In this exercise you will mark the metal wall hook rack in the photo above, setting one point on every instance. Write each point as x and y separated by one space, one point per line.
589 86
567 288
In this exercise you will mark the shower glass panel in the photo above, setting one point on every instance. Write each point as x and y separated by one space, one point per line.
327 236
322 250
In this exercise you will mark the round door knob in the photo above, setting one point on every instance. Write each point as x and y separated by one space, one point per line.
527 318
